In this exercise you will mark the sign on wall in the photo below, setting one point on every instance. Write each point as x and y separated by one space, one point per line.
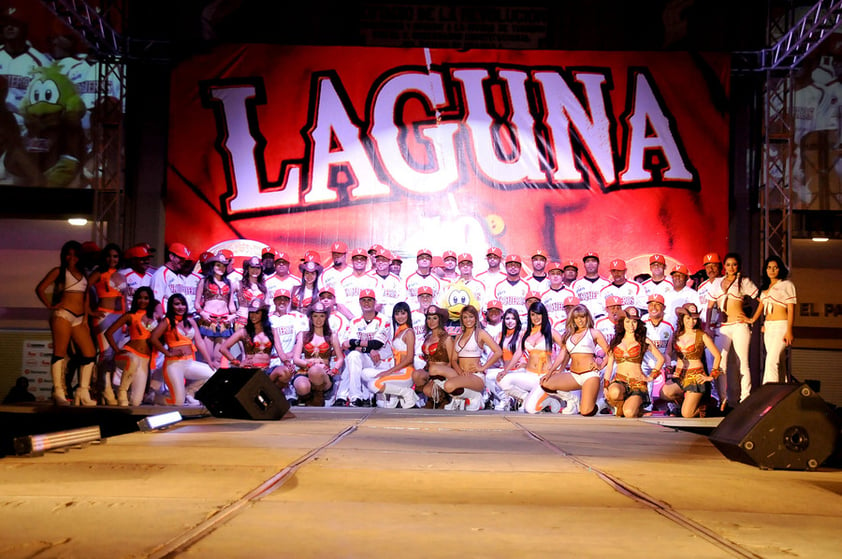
625 154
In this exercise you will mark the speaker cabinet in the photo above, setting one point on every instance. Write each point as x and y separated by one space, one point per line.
243 394
779 426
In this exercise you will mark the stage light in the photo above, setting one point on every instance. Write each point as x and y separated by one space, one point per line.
77 221
36 445
820 239
160 421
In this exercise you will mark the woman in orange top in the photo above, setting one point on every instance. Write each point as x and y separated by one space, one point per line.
629 391
107 306
397 380
133 357
178 337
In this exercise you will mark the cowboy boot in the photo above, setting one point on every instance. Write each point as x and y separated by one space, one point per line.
57 370
83 392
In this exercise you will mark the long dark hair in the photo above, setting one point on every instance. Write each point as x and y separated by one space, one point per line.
308 337
783 272
104 254
58 286
546 328
153 304
171 308
620 331
739 278
401 306
515 332
264 322
679 328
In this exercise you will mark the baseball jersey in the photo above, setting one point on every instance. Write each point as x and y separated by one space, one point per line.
631 293
187 286
513 295
490 279
606 328
662 287
660 336
674 299
17 72
553 299
349 291
588 291
275 283
285 328
135 280
736 291
332 276
378 328
419 322
705 298
416 280
538 284
390 290
164 283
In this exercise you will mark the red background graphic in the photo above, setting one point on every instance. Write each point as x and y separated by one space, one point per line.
682 223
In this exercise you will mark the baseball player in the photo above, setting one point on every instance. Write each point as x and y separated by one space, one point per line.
511 292
629 291
659 282
588 288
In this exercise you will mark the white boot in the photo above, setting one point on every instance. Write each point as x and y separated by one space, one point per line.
108 390
57 370
83 394
123 391
408 397
571 402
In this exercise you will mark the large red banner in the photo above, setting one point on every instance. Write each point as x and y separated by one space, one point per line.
622 153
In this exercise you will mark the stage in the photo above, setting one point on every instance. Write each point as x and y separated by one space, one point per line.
368 482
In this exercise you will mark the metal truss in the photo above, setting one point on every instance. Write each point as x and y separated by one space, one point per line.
104 169
799 40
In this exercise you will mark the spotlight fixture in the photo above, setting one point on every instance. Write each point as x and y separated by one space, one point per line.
160 421
77 221
820 239
36 445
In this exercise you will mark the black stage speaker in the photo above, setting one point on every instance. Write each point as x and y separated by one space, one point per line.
779 426
243 394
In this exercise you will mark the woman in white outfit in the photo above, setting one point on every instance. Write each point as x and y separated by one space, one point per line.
467 386
728 294
777 305
394 385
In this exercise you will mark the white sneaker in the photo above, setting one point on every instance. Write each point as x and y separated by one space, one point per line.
474 405
455 404
385 400
504 404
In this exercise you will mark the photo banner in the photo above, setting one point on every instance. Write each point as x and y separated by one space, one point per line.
621 153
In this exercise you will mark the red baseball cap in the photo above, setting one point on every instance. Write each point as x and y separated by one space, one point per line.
656 298
179 250
513 258
367 293
137 252
328 289
426 251
281 255
312 256
375 248
617 264
494 304
571 301
570 263
532 295
425 290
269 250
680 269
465 256
396 258
448 254
358 252
90 246
612 301
205 256
555 266
383 253
539 252
227 254
711 257
590 255
657 259
281 293
339 246
438 262
495 251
